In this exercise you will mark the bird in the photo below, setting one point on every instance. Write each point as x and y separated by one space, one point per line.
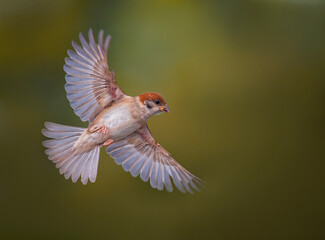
116 121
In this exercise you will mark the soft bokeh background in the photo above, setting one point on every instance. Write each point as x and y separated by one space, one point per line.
245 82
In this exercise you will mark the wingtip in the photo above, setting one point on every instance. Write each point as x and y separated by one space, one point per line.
107 41
75 44
81 36
47 124
90 32
43 131
69 51
44 144
66 60
201 183
65 66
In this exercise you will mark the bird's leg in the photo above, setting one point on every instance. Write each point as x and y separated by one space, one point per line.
99 129
103 129
108 142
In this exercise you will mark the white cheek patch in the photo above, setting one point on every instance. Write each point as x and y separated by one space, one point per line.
149 105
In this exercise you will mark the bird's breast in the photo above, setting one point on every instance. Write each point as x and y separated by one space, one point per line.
121 121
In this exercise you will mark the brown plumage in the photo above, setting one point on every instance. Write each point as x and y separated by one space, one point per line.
116 121
151 96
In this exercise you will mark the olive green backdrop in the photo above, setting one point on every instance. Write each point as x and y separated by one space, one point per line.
245 83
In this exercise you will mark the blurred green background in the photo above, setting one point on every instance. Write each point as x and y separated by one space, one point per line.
245 83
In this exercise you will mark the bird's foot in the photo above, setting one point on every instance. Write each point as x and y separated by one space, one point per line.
108 142
103 129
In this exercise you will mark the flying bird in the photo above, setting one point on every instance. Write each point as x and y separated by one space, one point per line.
116 121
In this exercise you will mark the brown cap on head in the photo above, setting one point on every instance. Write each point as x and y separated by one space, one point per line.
151 96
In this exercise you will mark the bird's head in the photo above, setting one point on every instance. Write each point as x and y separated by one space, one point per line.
154 103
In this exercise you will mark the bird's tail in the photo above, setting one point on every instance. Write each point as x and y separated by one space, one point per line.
60 152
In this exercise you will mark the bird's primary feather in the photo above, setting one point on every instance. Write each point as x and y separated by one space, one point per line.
91 86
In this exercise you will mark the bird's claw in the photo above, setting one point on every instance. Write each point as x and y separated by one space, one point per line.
108 142
103 130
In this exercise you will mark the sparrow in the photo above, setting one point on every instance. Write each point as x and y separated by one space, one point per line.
116 121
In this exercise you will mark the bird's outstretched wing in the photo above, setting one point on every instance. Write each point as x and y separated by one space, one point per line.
90 85
140 154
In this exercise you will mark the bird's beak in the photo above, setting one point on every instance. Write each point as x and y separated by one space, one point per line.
164 108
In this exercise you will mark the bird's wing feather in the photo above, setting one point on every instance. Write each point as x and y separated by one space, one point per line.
90 86
140 154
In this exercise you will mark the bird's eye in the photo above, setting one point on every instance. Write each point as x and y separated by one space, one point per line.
157 101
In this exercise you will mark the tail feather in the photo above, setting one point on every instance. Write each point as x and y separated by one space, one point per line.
52 134
60 152
69 168
62 128
94 166
90 168
80 166
54 143
60 149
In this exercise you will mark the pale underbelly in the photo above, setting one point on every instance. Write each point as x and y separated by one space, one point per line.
119 122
